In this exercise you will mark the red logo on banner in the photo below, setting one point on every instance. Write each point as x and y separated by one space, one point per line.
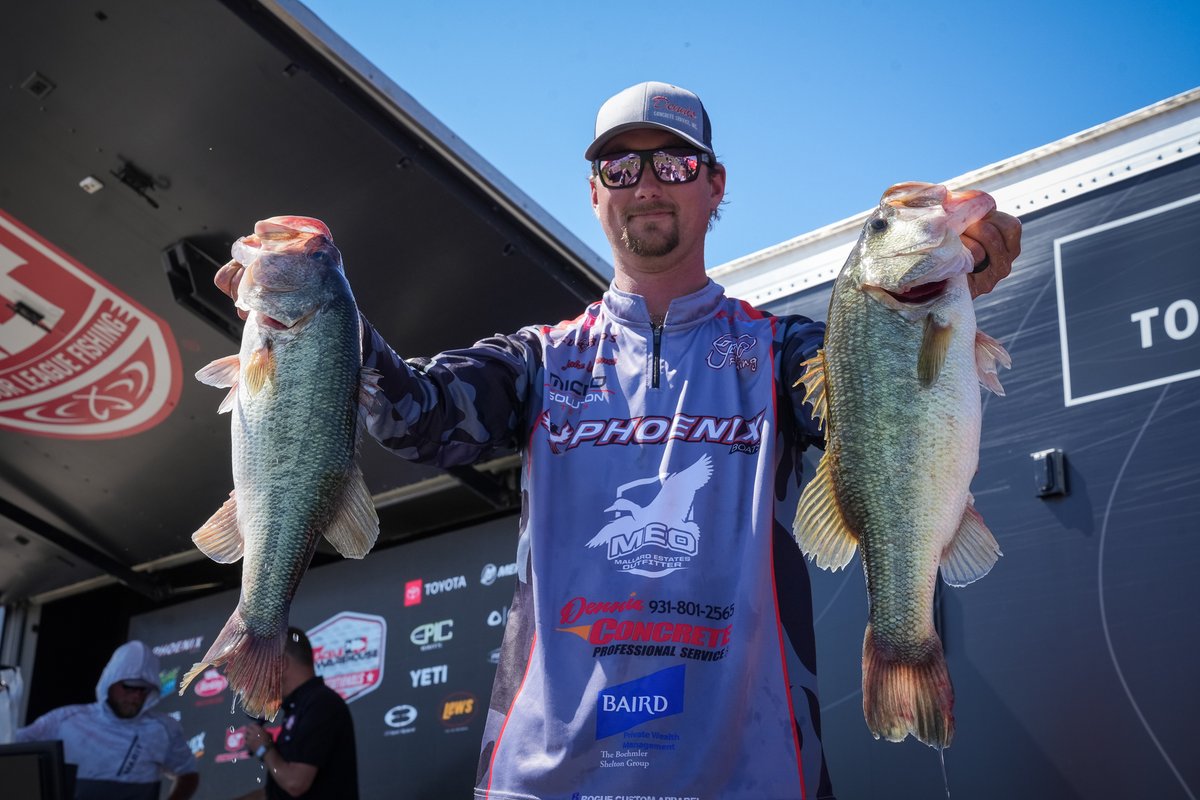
78 359
412 592
348 653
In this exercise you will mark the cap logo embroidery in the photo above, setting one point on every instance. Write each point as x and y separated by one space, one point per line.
661 101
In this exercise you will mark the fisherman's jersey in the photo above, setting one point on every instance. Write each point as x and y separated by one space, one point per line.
659 642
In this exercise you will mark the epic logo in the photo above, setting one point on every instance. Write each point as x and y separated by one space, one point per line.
432 634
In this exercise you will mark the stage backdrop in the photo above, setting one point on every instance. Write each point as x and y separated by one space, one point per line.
409 636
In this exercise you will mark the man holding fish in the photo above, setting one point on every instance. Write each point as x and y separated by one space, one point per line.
660 639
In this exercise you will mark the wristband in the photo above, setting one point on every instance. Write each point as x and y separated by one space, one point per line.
261 752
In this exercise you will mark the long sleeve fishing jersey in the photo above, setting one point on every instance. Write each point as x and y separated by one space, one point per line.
659 642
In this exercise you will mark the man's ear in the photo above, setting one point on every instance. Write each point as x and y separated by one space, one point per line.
595 197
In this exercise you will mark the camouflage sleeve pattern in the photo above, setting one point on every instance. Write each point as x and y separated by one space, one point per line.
797 340
456 408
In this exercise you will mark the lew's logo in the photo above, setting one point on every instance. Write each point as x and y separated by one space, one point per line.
458 710
78 359
659 536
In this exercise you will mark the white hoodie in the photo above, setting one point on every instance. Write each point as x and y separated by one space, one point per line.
107 748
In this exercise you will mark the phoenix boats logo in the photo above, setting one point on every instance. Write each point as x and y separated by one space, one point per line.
731 431
660 536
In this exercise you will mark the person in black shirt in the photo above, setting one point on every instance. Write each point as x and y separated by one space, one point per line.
314 756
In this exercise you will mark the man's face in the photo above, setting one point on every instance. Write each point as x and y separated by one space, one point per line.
126 699
654 219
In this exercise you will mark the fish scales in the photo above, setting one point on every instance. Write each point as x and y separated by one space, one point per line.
897 387
296 385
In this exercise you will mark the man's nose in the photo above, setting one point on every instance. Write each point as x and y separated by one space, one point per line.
649 186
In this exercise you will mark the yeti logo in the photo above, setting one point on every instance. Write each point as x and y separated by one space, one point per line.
659 537
728 350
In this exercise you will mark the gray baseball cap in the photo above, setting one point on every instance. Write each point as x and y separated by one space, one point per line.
652 105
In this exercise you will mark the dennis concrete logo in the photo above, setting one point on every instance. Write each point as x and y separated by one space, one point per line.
78 359
659 536
348 650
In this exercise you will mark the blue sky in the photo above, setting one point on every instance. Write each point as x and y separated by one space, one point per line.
816 107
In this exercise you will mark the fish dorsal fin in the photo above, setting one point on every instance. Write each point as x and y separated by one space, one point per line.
219 538
972 552
355 525
814 388
222 373
820 529
989 356
934 346
261 368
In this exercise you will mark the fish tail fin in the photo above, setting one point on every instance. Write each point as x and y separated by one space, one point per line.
253 666
901 696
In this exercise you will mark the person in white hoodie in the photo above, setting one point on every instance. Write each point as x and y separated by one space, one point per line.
122 749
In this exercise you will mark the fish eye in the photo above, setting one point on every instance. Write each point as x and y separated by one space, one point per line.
879 224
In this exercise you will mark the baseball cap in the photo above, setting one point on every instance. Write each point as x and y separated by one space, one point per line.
652 105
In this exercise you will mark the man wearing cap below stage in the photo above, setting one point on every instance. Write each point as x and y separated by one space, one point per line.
122 749
315 756
660 637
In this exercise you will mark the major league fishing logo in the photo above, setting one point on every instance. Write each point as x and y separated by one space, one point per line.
661 536
348 650
78 359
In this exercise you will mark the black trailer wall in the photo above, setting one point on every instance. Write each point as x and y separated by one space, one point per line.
411 634
1074 662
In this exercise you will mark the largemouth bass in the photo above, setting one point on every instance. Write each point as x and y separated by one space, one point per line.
296 388
896 387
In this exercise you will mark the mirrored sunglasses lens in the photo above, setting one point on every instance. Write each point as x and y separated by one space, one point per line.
676 167
621 171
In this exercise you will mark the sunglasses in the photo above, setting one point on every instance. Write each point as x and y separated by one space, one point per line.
134 687
669 164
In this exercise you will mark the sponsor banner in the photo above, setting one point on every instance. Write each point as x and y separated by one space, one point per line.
78 359
348 651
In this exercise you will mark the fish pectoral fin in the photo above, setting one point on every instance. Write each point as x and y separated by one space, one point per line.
989 356
368 388
972 552
934 346
261 368
355 525
814 387
820 529
221 373
219 538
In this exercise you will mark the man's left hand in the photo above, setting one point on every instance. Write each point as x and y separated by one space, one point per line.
995 242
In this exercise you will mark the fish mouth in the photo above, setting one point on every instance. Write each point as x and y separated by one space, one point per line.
916 295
